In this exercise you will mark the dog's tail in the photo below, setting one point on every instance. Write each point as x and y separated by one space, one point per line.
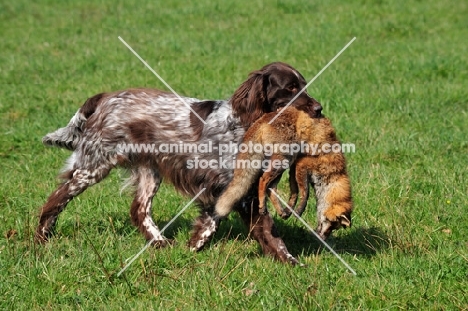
245 174
68 137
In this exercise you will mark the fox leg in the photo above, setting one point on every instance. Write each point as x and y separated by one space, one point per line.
270 179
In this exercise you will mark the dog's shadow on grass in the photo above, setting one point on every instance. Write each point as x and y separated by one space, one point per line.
122 225
300 241
366 242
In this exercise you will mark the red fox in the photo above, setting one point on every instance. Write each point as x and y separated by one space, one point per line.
326 171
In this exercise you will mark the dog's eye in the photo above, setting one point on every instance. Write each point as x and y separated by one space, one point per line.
292 88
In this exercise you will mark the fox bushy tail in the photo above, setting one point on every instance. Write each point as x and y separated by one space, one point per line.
241 183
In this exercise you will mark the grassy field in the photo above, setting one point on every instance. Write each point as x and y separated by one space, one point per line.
399 93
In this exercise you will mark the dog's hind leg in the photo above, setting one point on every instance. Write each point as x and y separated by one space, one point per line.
76 181
147 181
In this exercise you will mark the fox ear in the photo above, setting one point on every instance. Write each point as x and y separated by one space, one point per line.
344 221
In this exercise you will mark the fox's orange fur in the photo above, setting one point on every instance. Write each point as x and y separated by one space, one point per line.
327 174
325 171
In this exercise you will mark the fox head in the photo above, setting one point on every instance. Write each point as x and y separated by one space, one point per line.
326 226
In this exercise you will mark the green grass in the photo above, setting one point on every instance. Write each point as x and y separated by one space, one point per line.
399 93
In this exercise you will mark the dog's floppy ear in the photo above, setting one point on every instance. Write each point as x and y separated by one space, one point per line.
344 221
248 101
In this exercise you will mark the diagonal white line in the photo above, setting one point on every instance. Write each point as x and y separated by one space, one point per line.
162 230
315 233
161 79
311 81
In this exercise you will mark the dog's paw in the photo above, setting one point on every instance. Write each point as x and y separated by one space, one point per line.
40 239
196 245
162 243
293 261
42 235
203 230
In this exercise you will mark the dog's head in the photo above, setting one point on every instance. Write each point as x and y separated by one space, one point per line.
269 89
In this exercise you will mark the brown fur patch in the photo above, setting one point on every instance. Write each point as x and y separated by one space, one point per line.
141 133
91 104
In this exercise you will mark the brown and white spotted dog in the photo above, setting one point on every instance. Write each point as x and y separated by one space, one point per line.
325 170
148 116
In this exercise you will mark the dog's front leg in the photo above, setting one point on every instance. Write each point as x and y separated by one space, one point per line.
263 229
204 228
